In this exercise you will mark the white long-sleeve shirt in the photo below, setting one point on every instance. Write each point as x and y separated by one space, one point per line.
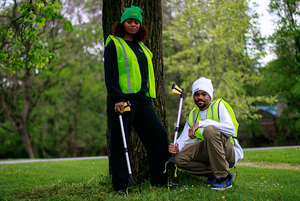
225 125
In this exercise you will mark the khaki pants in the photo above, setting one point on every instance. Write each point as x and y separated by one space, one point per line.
212 155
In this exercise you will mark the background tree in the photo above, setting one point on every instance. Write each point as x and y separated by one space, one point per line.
152 18
282 76
210 38
23 52
73 109
68 116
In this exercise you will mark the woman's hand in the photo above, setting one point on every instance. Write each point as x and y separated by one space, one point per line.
119 107
173 148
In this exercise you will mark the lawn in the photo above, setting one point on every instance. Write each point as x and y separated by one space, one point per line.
271 174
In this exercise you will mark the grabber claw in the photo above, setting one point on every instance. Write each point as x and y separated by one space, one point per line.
132 183
171 160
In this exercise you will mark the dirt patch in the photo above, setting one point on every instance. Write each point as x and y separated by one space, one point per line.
277 166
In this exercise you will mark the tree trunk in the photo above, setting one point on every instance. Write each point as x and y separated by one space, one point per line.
111 12
109 16
17 113
152 18
24 135
27 85
22 95
19 118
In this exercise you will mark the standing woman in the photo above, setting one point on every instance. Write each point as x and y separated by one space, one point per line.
129 76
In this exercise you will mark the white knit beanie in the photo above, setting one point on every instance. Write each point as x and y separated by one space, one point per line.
203 84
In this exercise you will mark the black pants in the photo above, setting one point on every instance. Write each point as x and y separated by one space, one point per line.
151 132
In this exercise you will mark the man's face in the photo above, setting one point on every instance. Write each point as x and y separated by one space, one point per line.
202 99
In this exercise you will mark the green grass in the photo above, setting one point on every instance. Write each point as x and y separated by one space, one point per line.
89 180
41 179
288 156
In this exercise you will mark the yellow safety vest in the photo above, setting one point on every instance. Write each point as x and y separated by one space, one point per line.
213 113
130 78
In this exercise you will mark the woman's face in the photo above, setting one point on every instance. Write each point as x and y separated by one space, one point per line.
132 26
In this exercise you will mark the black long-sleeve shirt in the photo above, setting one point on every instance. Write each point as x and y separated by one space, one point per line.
112 73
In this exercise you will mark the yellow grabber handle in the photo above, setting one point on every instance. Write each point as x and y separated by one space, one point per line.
176 90
126 106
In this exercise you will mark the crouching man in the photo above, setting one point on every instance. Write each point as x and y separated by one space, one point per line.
207 145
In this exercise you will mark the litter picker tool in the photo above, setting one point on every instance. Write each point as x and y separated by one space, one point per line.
175 90
131 182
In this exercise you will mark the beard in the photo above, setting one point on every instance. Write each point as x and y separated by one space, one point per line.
202 104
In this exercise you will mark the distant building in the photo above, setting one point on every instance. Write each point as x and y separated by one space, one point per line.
266 130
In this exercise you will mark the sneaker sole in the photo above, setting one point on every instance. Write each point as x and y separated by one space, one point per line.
221 189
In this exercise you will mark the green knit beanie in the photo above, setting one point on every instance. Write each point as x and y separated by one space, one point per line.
134 12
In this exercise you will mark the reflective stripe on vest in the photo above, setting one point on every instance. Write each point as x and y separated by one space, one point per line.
213 113
127 65
130 79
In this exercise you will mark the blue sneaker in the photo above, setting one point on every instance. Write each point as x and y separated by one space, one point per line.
223 183
211 179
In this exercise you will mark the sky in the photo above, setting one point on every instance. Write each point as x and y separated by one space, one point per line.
267 26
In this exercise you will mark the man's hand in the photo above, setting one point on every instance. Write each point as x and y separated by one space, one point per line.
119 107
173 148
193 129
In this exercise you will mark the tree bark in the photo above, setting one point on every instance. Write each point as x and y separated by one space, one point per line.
25 137
27 85
111 12
152 19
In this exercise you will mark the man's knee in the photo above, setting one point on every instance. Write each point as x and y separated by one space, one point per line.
181 160
210 132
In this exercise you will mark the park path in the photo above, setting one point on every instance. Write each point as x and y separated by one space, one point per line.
101 157
266 165
50 159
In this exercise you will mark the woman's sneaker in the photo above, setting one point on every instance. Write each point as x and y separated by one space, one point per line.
223 183
172 185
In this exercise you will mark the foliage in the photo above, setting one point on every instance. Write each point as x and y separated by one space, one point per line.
252 130
24 50
66 104
11 144
210 38
74 108
88 180
20 44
